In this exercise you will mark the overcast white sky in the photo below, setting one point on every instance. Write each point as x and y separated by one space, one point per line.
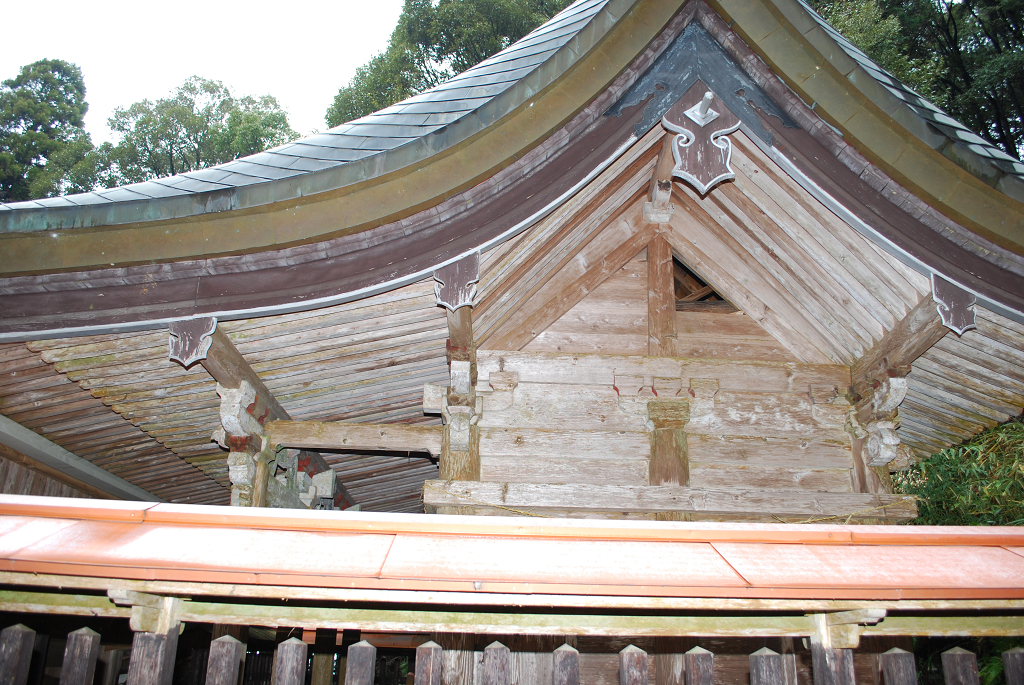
300 51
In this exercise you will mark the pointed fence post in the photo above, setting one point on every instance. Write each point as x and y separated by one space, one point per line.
225 661
766 668
832 666
565 666
960 667
16 644
1013 666
497 664
362 658
428 664
897 667
698 667
152 659
290 663
632 666
80 654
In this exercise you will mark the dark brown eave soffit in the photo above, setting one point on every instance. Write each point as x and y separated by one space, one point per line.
357 265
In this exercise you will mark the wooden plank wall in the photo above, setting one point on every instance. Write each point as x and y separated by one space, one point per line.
15 479
583 419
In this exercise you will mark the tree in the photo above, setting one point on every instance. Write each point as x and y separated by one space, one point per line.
41 113
432 43
198 126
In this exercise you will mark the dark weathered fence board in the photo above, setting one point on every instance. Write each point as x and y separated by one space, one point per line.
290 663
362 657
225 661
497 666
565 666
16 644
698 667
80 653
766 668
960 667
428 664
1013 666
110 664
897 667
152 659
632 666
832 666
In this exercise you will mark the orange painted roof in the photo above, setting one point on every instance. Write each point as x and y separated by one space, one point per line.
188 543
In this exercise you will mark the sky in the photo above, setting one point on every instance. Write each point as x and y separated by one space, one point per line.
299 51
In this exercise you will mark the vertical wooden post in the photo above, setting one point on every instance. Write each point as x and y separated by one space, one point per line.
152 659
428 664
362 659
80 653
458 662
111 660
632 666
960 667
832 666
566 666
897 667
699 667
661 299
669 464
766 668
497 664
1013 666
225 662
323 656
290 663
16 654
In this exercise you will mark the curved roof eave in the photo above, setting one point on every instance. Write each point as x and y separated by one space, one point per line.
399 136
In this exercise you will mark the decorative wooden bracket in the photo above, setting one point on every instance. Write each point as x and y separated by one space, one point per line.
701 147
954 304
455 285
191 339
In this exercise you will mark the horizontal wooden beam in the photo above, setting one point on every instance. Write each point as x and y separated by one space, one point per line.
911 337
316 435
616 499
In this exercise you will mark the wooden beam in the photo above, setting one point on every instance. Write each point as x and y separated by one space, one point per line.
911 337
355 436
614 499
661 299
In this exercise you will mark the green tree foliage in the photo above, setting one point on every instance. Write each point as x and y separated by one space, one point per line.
41 113
198 126
979 483
967 56
433 42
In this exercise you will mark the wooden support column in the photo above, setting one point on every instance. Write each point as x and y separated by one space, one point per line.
897 667
227 658
497 666
699 667
632 666
659 209
960 667
362 659
80 654
1013 666
428 664
16 654
324 649
455 289
565 667
290 663
247 405
661 299
152 659
766 668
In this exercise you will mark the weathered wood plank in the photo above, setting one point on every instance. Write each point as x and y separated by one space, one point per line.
766 668
661 299
290 662
960 667
16 653
497 665
698 667
771 451
428 664
626 471
225 661
628 498
80 654
711 476
152 659
354 436
359 667
1013 666
566 666
632 666
543 442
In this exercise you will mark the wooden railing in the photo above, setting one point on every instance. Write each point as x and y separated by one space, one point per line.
226 659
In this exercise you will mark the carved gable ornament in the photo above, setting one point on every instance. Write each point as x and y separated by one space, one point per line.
701 148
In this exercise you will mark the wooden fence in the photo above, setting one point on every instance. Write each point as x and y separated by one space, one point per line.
226 657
